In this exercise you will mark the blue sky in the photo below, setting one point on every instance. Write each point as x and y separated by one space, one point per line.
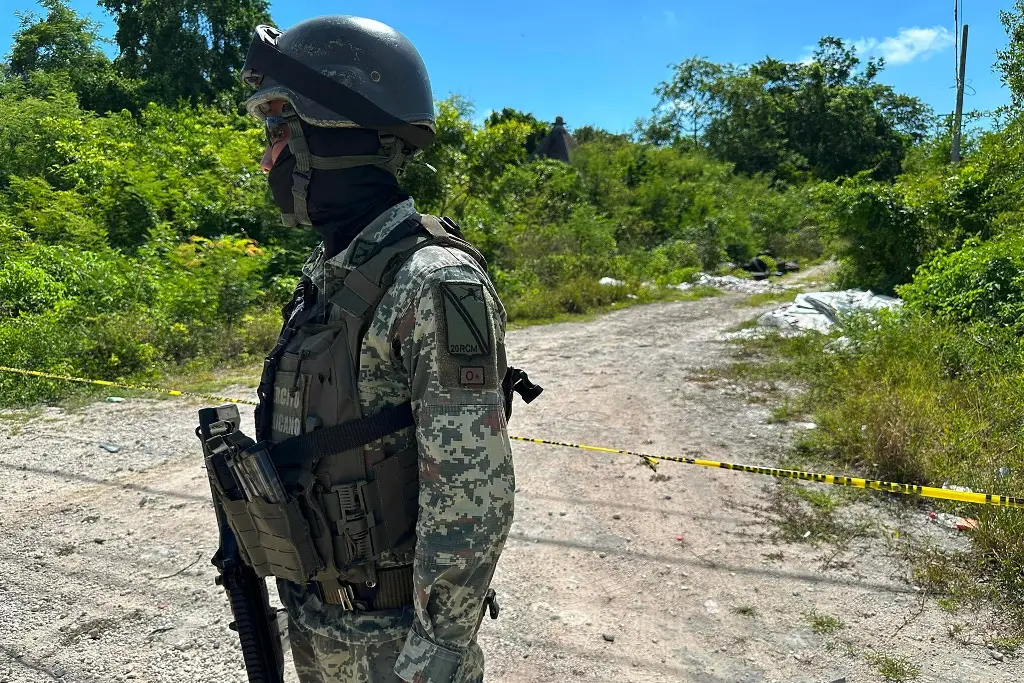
597 62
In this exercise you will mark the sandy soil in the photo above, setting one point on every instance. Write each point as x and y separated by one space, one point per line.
104 557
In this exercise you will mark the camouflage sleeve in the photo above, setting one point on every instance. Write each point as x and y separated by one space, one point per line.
451 344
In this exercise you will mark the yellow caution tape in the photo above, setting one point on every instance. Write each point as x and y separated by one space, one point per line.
121 385
854 482
650 460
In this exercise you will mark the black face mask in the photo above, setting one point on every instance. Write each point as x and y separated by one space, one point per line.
340 202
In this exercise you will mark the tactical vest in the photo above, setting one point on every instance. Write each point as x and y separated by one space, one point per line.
345 504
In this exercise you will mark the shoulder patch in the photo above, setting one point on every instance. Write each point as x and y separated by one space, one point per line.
466 319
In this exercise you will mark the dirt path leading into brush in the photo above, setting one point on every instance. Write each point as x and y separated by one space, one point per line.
104 571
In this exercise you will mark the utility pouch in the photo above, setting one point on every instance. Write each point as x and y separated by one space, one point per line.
282 536
261 511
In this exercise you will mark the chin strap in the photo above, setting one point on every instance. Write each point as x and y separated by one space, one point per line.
392 157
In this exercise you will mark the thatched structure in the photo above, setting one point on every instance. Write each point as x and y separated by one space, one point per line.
557 144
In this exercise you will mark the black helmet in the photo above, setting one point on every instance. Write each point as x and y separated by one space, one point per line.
343 71
339 71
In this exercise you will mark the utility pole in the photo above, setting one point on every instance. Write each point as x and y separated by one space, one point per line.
958 117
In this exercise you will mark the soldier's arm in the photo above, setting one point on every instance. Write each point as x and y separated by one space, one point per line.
450 341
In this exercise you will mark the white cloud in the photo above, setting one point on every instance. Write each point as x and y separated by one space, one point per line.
910 44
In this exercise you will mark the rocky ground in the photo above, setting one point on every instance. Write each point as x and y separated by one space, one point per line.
613 572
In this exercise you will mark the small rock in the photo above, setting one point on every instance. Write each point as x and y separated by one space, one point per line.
610 637
115 399
996 655
602 555
110 447
616 516
668 497
561 514
711 607
183 646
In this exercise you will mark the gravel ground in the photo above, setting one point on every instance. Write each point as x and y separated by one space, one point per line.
104 556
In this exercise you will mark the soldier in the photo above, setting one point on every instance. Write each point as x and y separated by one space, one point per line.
385 401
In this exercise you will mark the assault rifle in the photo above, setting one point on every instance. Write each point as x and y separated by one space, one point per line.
256 622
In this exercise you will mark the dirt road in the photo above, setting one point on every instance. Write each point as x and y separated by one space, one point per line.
104 556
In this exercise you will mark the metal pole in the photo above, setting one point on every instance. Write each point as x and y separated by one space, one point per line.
958 117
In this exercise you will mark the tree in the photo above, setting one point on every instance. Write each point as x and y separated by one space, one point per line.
537 132
827 118
185 49
1010 61
66 48
588 133
61 41
687 103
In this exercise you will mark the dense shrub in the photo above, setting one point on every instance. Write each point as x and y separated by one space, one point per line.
981 283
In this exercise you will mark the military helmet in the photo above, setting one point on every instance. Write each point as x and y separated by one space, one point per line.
343 71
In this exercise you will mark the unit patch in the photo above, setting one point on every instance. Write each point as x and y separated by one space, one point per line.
467 323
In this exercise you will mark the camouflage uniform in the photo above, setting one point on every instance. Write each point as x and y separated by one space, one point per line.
466 480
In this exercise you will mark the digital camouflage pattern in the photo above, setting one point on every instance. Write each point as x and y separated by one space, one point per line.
467 482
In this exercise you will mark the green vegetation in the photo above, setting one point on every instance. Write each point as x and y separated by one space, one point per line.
137 236
914 399
824 624
745 611
929 394
895 667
